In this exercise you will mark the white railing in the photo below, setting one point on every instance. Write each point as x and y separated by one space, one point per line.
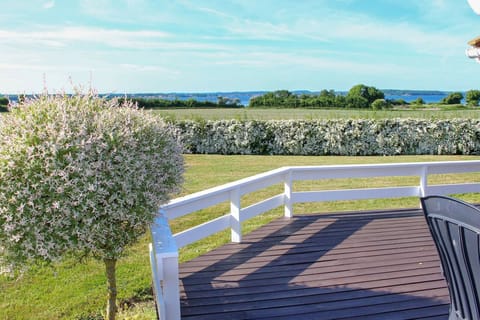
164 252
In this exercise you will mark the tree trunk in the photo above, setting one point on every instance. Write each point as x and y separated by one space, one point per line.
112 288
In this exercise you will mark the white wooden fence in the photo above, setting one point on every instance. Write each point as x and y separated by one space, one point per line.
164 247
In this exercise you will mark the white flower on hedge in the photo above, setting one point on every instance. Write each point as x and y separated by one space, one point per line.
330 137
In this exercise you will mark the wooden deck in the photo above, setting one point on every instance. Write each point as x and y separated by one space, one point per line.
371 265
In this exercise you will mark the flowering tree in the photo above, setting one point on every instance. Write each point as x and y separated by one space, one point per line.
84 175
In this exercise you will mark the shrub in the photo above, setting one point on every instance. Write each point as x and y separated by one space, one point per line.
353 102
472 97
398 102
380 104
4 101
418 101
81 175
453 98
4 104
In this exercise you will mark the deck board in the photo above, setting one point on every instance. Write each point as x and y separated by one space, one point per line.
367 265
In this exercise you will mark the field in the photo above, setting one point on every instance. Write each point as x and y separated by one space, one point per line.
313 114
77 291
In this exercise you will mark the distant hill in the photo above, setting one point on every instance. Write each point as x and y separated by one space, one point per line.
397 92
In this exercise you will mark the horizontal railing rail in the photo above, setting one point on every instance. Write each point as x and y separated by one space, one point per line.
164 248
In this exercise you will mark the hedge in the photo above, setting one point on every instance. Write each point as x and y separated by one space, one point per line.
330 137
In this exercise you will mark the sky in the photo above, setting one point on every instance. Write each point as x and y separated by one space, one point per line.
128 46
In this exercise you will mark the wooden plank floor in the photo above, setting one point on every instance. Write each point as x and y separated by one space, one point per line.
371 265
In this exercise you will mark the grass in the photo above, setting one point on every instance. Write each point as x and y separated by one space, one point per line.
77 291
313 114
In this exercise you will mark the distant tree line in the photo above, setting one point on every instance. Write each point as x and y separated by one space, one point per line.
472 98
157 103
358 97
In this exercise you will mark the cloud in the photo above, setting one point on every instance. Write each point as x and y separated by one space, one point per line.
48 5
95 38
132 12
96 7
259 30
404 36
53 37
149 68
342 28
307 61
360 30
17 66
203 9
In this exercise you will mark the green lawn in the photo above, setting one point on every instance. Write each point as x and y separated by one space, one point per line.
310 114
77 291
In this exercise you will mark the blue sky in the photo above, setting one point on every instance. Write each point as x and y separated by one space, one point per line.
126 46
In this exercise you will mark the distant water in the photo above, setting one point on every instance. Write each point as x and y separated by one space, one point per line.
427 98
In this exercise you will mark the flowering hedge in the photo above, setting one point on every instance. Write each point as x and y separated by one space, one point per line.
330 137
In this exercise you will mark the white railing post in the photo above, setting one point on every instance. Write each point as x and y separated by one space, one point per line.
424 181
164 260
171 287
235 223
287 186
157 285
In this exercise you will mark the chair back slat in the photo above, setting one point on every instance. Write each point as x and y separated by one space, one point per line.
472 258
441 236
460 269
455 228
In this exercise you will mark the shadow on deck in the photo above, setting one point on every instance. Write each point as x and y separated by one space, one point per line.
370 265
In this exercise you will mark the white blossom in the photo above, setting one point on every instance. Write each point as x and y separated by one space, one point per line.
81 173
330 137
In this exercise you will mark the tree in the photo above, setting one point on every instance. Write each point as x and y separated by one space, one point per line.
22 98
340 101
368 93
398 102
81 176
228 102
282 94
275 99
380 104
418 101
4 101
453 98
326 99
4 104
472 97
222 101
355 101
190 103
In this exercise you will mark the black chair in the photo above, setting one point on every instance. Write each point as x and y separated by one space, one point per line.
455 227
